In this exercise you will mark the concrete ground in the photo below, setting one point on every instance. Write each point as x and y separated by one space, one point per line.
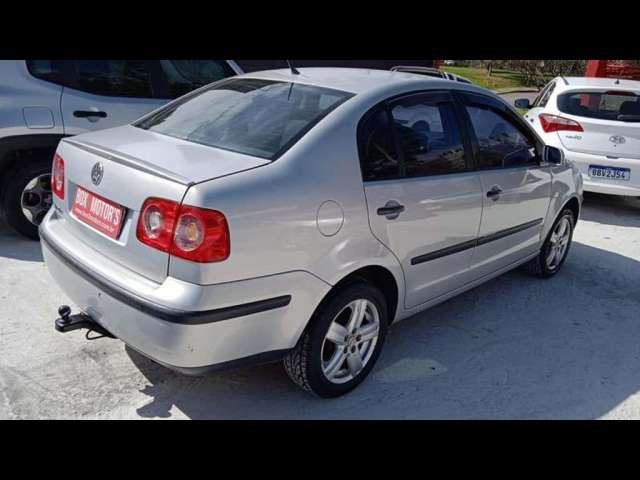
516 347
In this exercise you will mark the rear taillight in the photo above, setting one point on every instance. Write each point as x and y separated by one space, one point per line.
57 176
194 233
554 123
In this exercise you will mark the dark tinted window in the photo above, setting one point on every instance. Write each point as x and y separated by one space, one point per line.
182 76
256 117
120 78
543 97
613 105
501 143
547 94
378 153
49 70
429 136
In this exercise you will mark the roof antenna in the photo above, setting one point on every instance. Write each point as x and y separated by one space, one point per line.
292 68
617 82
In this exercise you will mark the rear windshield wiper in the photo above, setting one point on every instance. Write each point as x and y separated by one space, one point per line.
629 118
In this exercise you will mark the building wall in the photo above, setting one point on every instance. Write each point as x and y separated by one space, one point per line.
614 68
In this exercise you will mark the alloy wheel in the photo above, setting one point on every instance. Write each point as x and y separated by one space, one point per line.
558 243
350 341
36 198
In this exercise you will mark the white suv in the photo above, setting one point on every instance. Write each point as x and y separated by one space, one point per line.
42 101
596 121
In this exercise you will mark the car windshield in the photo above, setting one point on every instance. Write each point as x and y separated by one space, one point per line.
262 118
615 105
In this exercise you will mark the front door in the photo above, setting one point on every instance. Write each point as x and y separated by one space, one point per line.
424 201
516 186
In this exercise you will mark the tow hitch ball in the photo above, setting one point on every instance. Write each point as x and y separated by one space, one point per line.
68 322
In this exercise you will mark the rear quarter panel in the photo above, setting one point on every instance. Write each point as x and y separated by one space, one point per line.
272 211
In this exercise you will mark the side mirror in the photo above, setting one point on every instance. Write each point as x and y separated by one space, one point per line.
522 103
553 155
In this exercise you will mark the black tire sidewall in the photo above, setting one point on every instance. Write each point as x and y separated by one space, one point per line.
546 271
12 188
323 318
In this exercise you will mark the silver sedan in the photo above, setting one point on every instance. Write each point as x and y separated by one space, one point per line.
294 215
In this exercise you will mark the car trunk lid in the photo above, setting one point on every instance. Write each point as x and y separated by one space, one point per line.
610 120
136 164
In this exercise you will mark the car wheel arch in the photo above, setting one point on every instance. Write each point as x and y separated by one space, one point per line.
376 275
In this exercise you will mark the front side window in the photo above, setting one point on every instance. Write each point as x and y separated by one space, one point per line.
429 136
256 117
536 101
183 76
119 78
612 105
501 144
547 93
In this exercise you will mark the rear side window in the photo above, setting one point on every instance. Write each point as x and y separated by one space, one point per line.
120 78
182 76
49 70
613 105
378 151
429 136
500 143
256 117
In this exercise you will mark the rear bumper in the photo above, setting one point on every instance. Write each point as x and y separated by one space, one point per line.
199 327
600 185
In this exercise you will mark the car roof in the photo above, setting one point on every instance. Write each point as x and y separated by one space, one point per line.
356 80
572 82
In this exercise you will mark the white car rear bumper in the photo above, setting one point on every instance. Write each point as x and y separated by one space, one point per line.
602 185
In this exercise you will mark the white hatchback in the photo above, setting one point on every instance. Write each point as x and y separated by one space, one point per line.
596 121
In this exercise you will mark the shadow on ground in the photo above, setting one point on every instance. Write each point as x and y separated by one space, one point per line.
13 245
515 347
611 209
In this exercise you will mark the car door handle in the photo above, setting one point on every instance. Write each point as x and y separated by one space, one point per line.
494 192
391 209
89 113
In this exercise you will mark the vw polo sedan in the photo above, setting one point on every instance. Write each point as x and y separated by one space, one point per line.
294 216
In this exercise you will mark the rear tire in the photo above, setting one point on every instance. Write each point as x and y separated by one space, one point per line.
559 241
330 363
13 190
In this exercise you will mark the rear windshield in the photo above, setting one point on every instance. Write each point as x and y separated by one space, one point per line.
262 118
614 105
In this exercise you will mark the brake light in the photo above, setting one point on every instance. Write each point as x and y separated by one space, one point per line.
193 233
57 176
555 123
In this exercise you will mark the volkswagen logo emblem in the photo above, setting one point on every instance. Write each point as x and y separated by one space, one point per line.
96 173
617 139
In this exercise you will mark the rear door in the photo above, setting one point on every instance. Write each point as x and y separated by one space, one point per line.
423 199
516 186
107 93
610 121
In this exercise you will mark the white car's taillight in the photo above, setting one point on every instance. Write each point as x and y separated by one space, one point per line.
57 176
555 123
193 233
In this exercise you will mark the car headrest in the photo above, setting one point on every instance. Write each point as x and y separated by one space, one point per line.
421 126
630 107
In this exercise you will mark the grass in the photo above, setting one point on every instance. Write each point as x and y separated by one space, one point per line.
499 78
